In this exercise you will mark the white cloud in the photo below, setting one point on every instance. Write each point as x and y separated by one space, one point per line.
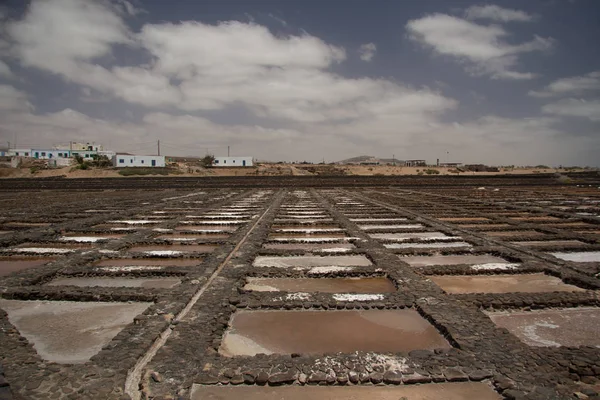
127 7
56 35
12 100
196 66
490 139
574 108
496 13
570 86
480 48
367 51
5 70
278 19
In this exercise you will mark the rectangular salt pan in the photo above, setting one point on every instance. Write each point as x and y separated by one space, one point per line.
311 261
317 332
583 256
70 332
571 327
321 285
454 259
526 283
416 235
382 227
433 245
446 391
93 281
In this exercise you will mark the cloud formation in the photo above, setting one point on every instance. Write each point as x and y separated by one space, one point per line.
367 51
589 109
195 66
574 85
496 13
13 100
482 49
176 76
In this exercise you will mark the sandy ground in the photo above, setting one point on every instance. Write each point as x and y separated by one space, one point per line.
269 170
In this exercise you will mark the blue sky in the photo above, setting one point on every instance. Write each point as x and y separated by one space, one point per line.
506 82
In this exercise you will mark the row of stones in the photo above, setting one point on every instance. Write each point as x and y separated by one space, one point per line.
113 362
494 347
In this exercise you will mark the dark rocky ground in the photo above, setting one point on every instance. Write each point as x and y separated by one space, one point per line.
175 342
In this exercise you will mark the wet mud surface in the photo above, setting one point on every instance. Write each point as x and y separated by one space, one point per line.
566 327
448 391
13 264
287 332
69 332
502 283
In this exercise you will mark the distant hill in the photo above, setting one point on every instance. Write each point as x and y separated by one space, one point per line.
370 160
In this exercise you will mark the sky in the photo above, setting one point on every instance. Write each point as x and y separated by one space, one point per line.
499 83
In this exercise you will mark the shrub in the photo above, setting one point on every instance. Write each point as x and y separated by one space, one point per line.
431 171
84 165
100 161
207 161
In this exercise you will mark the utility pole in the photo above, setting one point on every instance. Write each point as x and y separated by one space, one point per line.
159 147
227 151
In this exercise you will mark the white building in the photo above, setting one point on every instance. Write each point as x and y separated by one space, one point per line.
19 153
46 154
233 162
78 146
129 160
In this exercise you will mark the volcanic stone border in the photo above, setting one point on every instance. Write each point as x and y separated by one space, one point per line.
104 375
481 350
559 372
207 366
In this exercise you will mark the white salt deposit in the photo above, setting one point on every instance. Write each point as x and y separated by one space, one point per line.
297 296
162 230
130 268
133 221
334 250
314 216
378 219
494 266
162 252
373 227
308 230
308 239
206 230
41 250
357 297
327 270
426 245
83 239
183 197
422 236
213 222
217 216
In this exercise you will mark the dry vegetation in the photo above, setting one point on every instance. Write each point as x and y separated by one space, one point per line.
192 168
